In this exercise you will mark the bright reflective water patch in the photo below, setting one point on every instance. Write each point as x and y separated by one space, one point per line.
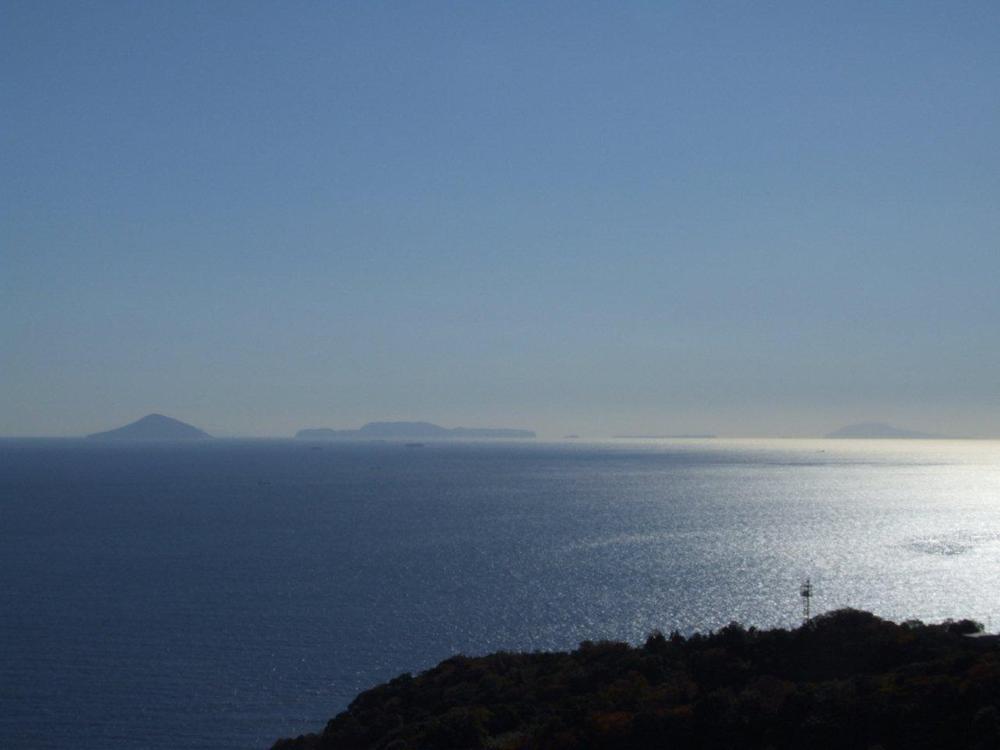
228 593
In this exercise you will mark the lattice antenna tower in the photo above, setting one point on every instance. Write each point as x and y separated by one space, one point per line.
806 592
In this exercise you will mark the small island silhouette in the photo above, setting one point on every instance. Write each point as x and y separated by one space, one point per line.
879 430
410 430
153 427
681 436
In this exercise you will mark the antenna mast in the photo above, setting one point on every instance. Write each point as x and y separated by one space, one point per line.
806 592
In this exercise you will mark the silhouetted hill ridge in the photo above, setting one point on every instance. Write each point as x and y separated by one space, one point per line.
409 430
847 679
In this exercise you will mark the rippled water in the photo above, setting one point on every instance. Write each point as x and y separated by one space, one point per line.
221 595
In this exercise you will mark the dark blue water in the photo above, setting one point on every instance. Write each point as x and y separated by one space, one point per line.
223 594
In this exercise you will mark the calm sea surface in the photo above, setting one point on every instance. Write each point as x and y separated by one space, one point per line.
225 594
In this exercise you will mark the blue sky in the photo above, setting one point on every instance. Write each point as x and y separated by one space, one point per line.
741 218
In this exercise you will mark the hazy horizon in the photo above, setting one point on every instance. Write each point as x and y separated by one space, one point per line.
548 435
642 219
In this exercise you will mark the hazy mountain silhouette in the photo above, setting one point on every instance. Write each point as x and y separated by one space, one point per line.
407 430
682 436
872 430
153 427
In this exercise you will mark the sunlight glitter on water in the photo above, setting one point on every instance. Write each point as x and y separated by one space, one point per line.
236 591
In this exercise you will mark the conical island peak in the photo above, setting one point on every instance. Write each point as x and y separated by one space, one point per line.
153 427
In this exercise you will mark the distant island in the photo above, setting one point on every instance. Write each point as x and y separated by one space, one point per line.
410 430
153 427
683 436
879 430
845 679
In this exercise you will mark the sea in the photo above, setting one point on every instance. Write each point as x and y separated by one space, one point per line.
226 593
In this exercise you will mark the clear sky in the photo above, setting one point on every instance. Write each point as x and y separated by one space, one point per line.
745 218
